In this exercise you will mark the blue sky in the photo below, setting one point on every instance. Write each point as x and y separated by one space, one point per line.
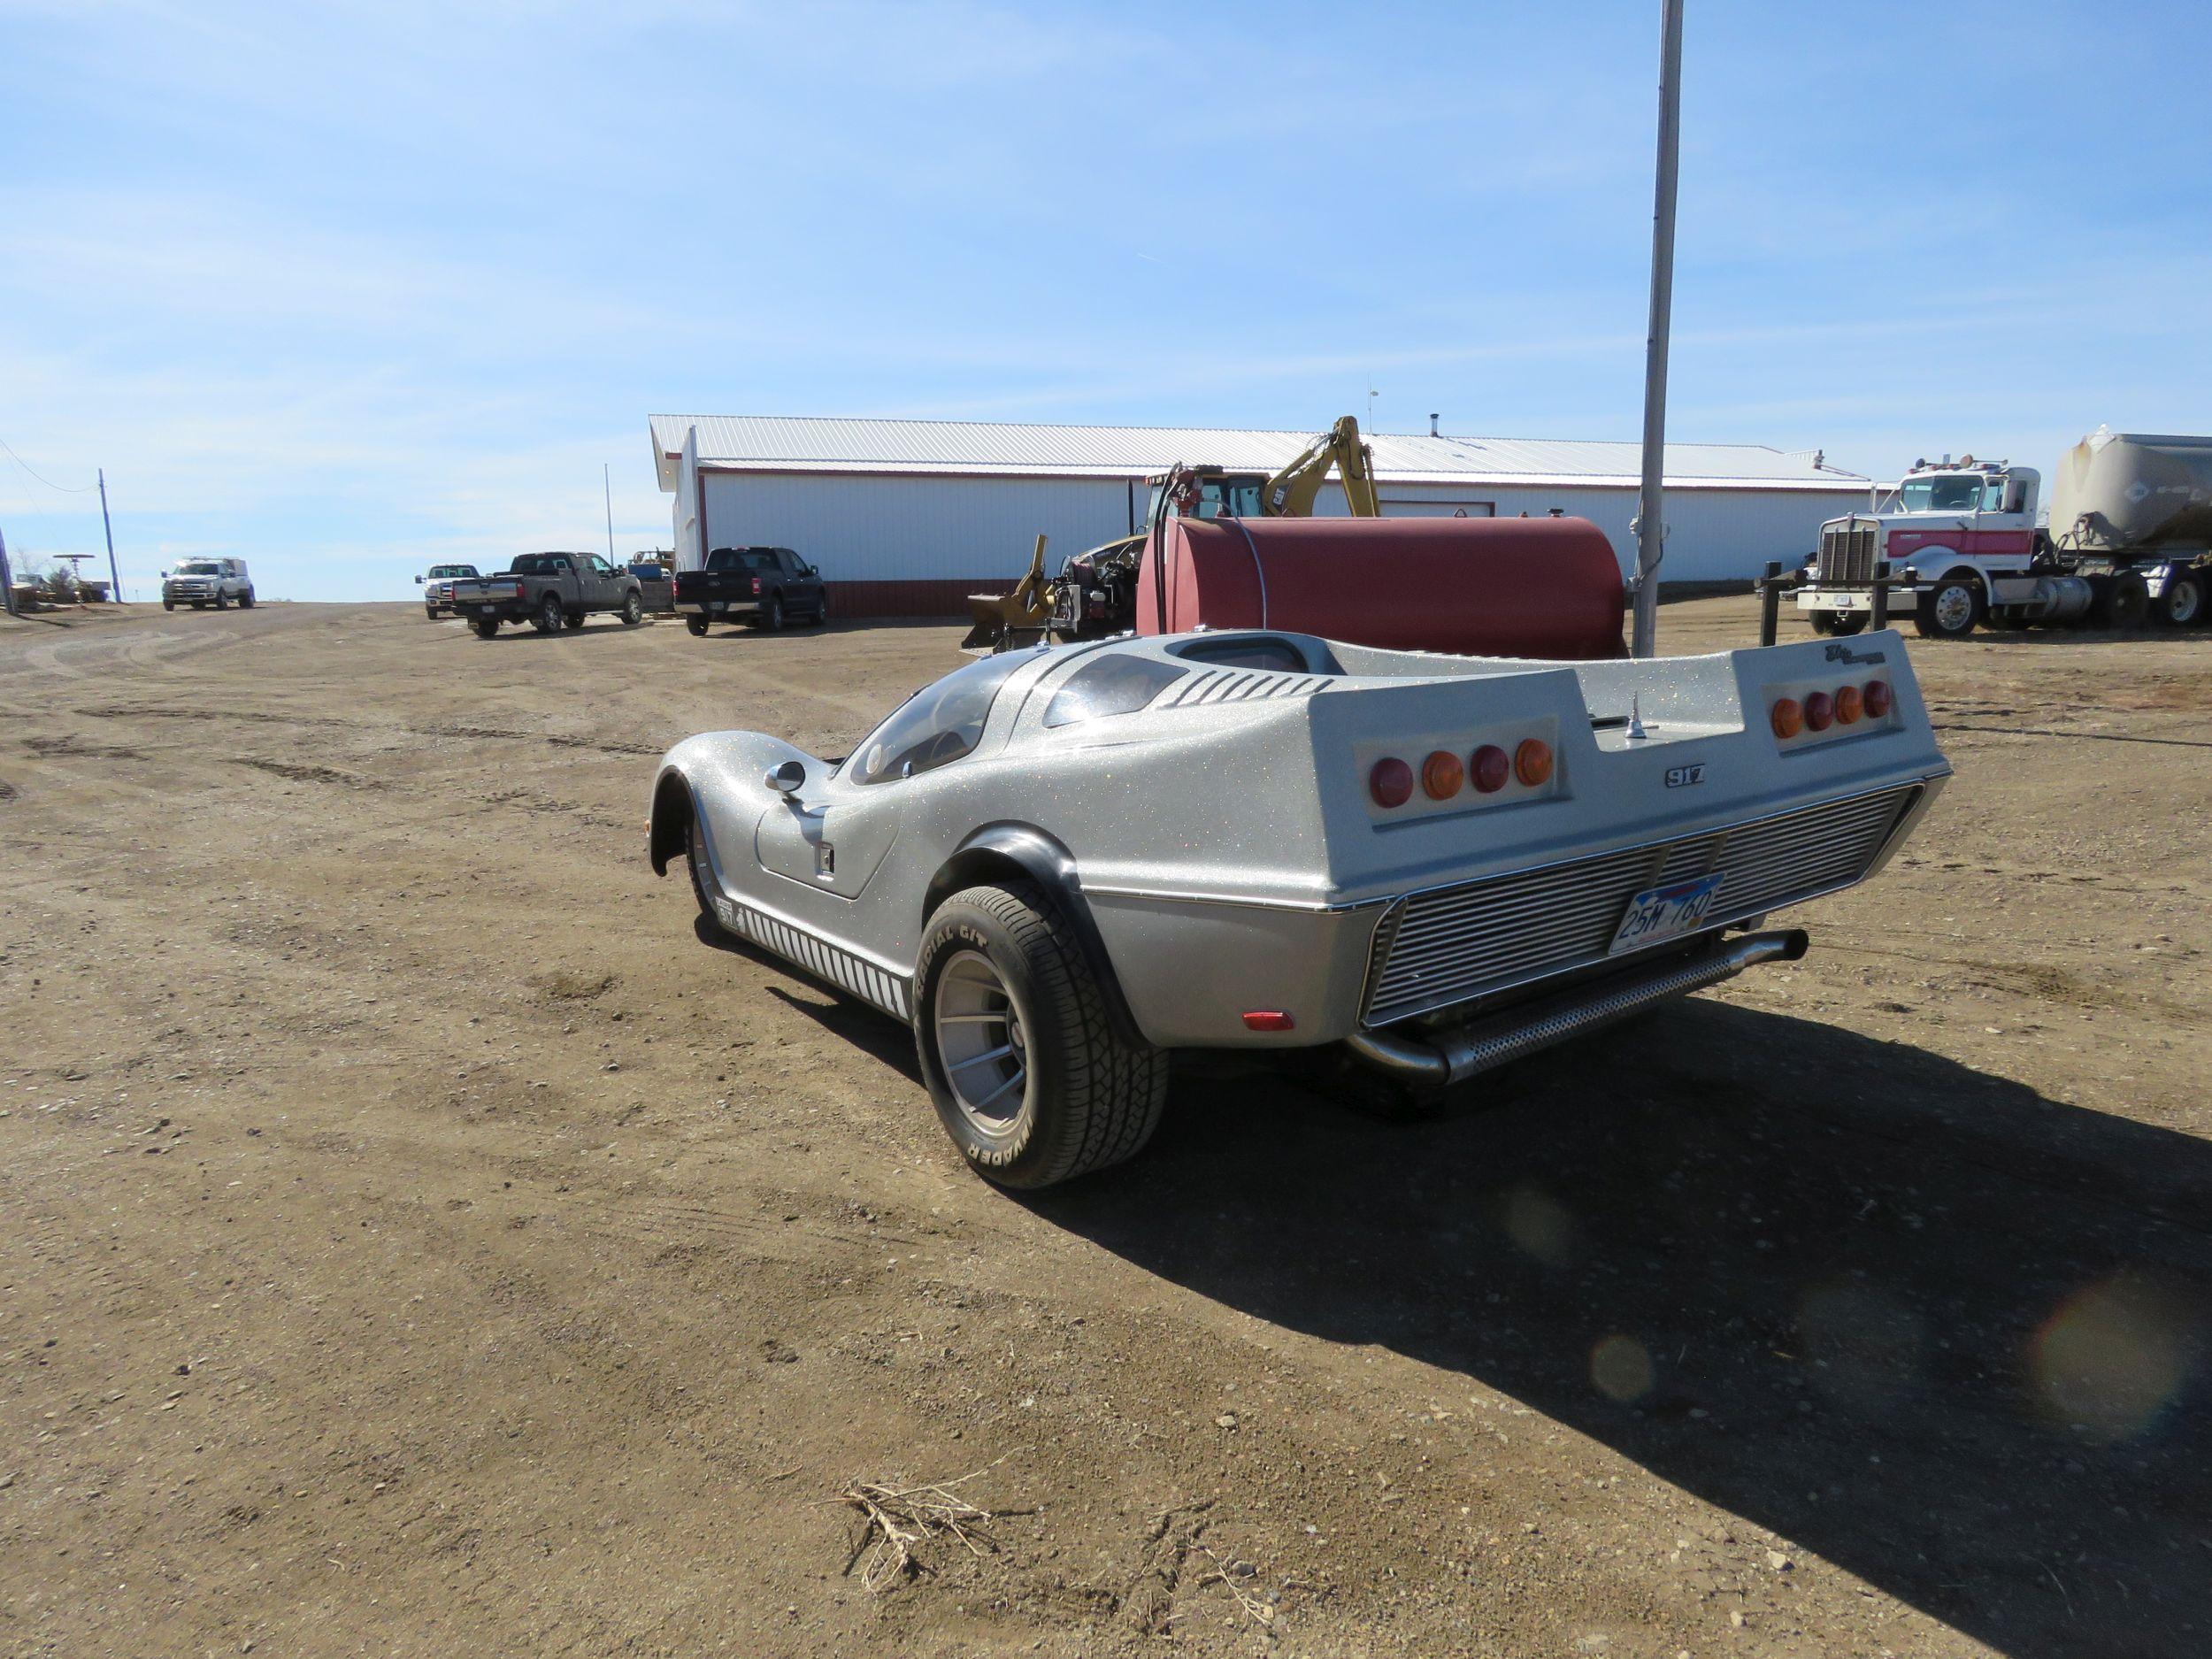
347 289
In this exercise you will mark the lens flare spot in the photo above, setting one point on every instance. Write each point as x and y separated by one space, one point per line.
1621 1368
2111 1356
1539 1224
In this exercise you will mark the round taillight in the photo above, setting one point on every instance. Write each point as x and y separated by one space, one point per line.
1876 697
1489 766
1532 761
1390 782
1820 711
1788 717
1849 706
1441 775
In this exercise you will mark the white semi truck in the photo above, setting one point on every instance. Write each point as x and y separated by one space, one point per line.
2129 537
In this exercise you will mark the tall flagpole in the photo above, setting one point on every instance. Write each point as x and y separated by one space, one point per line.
1651 525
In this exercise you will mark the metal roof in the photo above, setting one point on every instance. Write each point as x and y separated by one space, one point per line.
792 443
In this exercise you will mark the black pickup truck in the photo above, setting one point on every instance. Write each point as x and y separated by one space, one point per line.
549 591
765 586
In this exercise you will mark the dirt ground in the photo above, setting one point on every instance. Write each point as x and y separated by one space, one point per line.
417 1238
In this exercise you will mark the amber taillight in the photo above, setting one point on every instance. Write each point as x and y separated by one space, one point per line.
1390 782
1788 719
1532 761
1849 706
1441 775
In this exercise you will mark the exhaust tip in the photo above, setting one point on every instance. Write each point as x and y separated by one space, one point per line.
1795 942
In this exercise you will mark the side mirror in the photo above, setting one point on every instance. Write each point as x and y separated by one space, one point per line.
417 581
786 779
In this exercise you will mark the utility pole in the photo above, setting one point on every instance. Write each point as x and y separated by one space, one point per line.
607 485
1651 525
115 580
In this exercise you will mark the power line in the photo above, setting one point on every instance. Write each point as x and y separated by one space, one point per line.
80 490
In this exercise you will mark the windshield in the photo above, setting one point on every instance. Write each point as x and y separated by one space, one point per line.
938 723
1948 492
452 570
199 567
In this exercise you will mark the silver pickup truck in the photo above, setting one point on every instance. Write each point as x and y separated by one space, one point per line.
1057 865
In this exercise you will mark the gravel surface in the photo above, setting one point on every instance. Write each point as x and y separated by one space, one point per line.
417 1238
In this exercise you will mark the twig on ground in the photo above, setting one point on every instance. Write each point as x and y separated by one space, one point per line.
900 1518
1262 1611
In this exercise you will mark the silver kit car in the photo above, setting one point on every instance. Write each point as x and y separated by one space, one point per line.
1057 866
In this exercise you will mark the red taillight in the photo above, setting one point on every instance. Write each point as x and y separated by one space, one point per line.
1876 697
1532 761
1390 782
1820 711
1268 1019
1787 718
755 587
1441 775
1489 766
1849 706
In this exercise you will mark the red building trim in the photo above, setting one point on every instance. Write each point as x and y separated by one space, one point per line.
927 598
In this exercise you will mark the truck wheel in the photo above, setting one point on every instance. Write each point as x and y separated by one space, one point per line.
245 600
2121 602
550 616
698 626
1009 1020
168 604
485 626
572 620
1840 622
772 615
1949 610
222 601
2183 602
430 612
632 610
821 610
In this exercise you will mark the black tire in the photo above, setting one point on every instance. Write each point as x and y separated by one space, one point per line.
698 626
572 620
2121 602
1844 623
695 862
485 626
550 615
821 610
2183 602
430 612
632 610
1089 1098
1949 610
168 604
771 614
245 600
222 601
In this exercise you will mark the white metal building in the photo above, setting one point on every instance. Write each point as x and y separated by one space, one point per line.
907 518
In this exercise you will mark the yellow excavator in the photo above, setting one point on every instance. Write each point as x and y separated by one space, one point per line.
1095 593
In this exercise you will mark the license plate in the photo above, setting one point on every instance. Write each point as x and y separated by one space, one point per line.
1658 913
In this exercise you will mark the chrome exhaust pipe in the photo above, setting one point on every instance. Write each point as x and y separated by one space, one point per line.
1441 1058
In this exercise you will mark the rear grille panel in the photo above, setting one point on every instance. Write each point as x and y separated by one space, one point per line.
1450 945
1846 553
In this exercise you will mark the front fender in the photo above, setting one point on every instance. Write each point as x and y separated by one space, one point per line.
718 776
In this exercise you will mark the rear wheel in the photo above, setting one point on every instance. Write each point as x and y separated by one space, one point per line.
1027 1073
2121 602
550 615
485 626
245 600
697 625
1949 610
772 615
2183 602
632 610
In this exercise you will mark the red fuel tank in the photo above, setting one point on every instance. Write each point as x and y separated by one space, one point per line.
1541 588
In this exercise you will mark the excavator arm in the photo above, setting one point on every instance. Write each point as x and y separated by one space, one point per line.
1291 492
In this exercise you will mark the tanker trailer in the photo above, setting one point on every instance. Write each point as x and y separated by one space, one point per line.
2128 537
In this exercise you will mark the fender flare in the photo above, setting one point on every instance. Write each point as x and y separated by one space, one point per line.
668 825
1021 850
